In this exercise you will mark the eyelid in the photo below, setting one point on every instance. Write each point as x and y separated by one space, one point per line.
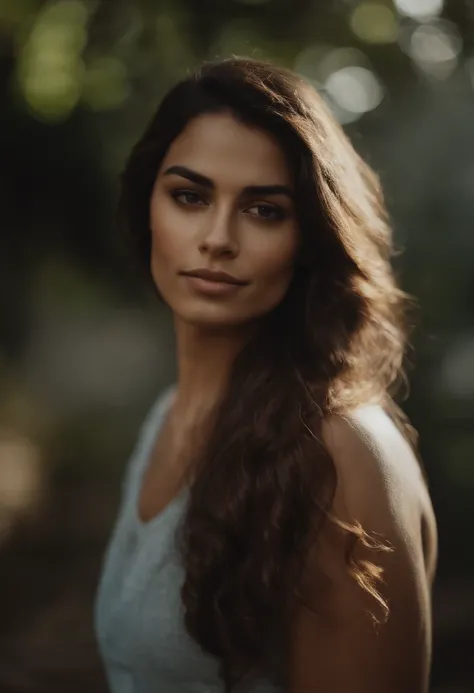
180 191
262 203
187 191
280 212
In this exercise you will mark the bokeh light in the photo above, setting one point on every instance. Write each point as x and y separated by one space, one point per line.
344 78
50 67
419 9
309 60
374 23
354 89
435 47
20 479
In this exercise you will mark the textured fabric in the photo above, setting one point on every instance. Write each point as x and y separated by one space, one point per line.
138 611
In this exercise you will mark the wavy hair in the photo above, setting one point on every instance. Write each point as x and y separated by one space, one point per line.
264 483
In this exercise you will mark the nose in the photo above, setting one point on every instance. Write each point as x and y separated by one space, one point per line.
219 237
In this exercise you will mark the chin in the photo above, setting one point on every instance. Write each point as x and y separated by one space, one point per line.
213 319
215 315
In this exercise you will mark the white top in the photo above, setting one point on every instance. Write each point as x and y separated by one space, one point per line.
138 611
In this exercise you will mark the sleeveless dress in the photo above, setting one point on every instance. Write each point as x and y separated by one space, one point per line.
138 612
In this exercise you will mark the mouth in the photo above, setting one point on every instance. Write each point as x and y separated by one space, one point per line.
214 276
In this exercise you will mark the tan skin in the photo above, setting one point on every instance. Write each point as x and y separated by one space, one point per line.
221 222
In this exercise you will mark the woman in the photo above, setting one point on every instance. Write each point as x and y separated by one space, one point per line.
275 533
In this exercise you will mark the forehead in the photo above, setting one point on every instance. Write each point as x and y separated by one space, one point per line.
222 148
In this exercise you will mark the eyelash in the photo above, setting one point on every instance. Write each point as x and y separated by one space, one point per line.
176 194
279 213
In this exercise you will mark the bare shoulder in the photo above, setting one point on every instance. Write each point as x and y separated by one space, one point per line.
380 483
336 647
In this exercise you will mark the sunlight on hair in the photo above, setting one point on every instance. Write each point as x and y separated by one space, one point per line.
374 23
20 480
419 9
50 66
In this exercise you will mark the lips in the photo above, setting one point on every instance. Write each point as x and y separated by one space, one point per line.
214 276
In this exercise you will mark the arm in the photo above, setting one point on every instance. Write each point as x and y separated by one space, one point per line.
341 650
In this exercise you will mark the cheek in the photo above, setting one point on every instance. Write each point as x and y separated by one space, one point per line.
273 270
166 252
164 247
168 238
275 261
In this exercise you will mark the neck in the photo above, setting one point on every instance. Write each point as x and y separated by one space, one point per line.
204 359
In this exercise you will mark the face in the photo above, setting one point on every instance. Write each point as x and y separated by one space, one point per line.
223 223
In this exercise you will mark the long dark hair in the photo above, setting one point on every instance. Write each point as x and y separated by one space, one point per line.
264 483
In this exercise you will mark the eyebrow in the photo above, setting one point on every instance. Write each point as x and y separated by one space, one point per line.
206 182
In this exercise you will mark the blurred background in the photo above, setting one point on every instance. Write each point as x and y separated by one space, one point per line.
84 345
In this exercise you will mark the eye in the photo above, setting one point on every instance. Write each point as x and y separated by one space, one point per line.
267 212
188 197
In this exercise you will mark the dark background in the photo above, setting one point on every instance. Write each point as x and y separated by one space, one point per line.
84 346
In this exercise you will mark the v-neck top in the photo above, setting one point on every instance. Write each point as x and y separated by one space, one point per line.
139 616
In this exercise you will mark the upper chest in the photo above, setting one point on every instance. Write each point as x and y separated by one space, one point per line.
163 475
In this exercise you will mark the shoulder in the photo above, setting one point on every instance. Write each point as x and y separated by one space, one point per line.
337 646
380 482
